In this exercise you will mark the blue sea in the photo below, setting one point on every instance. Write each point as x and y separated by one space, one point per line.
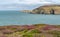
21 18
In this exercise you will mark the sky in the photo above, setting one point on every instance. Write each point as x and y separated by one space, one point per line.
24 4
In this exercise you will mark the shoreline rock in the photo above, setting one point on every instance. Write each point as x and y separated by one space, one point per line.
26 11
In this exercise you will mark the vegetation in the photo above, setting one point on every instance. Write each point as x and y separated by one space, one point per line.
37 30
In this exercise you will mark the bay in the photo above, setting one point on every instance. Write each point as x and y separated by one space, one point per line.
21 18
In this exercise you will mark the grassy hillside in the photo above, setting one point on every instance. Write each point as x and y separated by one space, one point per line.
36 30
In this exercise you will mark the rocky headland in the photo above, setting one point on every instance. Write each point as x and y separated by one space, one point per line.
36 30
26 11
47 9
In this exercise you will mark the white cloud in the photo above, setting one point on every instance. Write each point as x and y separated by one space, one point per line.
23 4
2 2
33 2
29 1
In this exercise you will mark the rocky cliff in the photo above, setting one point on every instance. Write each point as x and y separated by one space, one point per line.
47 9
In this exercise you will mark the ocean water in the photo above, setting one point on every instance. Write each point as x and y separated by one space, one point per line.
21 18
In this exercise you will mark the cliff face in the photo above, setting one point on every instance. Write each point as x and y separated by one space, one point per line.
47 9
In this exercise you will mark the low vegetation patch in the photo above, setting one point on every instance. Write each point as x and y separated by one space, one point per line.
36 30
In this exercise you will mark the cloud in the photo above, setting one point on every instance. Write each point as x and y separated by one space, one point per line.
33 2
24 4
23 1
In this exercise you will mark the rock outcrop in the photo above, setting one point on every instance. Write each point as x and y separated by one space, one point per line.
47 9
26 11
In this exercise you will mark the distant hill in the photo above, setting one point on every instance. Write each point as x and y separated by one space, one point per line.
26 11
47 9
